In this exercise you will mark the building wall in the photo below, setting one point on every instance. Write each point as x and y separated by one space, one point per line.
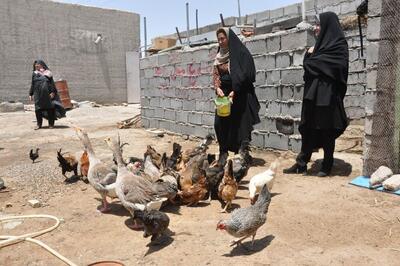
63 36
177 92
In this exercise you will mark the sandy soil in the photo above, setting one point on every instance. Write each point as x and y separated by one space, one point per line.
311 220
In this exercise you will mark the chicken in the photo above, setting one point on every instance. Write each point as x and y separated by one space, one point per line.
34 155
154 155
151 172
228 187
189 154
241 165
68 163
121 147
155 222
261 179
191 195
214 174
244 222
175 157
84 162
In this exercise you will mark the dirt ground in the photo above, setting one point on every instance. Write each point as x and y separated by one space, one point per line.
311 220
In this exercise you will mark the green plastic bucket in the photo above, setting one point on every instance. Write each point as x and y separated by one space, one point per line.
223 106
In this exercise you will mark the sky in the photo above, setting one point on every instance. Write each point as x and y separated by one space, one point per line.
163 16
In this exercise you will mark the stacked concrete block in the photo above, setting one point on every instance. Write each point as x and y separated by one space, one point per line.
340 7
185 79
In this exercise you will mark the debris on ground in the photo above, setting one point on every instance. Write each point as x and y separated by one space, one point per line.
128 123
7 107
8 205
2 184
34 203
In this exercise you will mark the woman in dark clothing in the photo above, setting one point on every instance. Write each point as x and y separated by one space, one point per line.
234 74
323 117
43 91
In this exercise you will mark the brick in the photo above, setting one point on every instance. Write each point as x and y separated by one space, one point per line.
374 29
295 144
206 67
194 118
190 81
176 104
208 119
273 77
282 60
144 101
187 57
170 114
263 108
257 139
167 92
373 53
273 44
148 62
286 93
296 40
354 101
273 108
144 83
257 47
355 112
292 76
260 78
276 141
358 65
354 54
356 89
298 57
182 116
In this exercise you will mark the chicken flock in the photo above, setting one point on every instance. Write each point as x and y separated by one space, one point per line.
145 185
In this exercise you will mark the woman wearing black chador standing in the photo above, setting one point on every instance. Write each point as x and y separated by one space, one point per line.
234 74
323 118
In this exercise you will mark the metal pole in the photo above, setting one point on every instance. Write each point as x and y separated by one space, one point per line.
145 36
222 20
179 35
197 21
304 10
239 20
187 24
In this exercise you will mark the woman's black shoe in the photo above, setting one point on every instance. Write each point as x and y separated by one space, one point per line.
295 169
322 174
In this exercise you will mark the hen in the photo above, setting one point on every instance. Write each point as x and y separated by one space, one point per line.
155 222
265 178
191 195
228 187
154 155
241 165
175 157
68 163
244 222
34 155
84 162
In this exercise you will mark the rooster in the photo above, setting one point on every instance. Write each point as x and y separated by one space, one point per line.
34 155
265 178
176 156
244 222
68 163
228 187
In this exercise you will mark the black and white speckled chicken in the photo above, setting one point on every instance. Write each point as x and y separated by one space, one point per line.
244 222
155 222
241 165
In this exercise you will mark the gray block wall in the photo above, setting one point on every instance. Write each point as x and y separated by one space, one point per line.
177 92
63 35
340 7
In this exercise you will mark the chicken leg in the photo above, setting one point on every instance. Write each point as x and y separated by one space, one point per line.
105 207
238 241
227 205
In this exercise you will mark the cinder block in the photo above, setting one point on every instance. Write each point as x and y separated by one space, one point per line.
260 78
201 106
356 90
373 53
155 102
182 93
276 141
257 139
208 119
296 40
163 59
187 57
200 131
189 81
354 54
165 102
158 112
194 118
267 124
276 13
273 77
332 8
170 114
267 93
298 92
204 81
144 83
273 108
260 62
201 54
206 67
144 101
292 10
358 66
282 60
167 92
274 44
174 57
374 29
270 62
175 81
354 101
148 73
372 76
292 109
176 104
256 47
298 57
182 116
371 98
348 7
145 122
208 93
189 105
374 8
263 108
286 93
292 76
148 62
154 123
195 93
295 144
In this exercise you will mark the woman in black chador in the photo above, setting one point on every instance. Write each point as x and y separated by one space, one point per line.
323 118
234 74
44 93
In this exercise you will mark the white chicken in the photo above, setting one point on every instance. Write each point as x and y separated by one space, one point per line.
265 178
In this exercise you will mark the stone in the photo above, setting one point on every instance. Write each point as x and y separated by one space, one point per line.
34 203
6 107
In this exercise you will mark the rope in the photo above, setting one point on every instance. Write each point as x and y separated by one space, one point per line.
10 240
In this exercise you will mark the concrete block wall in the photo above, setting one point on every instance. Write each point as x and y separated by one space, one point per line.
177 92
340 7
63 35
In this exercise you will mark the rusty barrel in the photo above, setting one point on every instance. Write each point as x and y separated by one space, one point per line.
63 92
